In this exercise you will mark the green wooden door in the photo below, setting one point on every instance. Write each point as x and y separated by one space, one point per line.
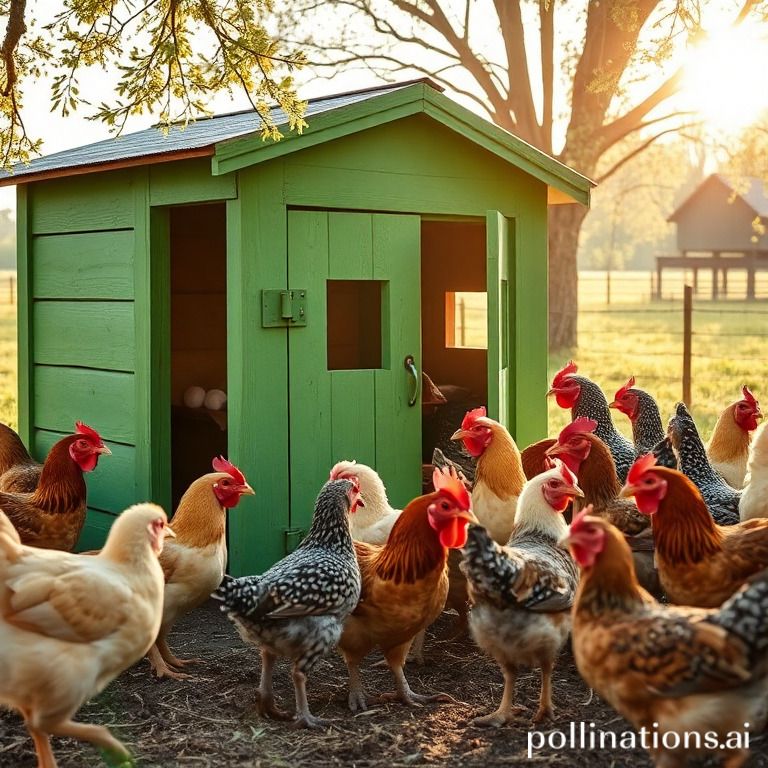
498 240
349 390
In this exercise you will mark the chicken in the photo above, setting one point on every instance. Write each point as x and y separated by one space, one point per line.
643 413
721 499
19 472
71 623
668 669
52 516
193 564
499 474
585 398
665 453
521 594
754 497
298 607
534 457
699 562
728 447
588 457
404 584
373 522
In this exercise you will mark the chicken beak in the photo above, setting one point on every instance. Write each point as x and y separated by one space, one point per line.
555 450
627 492
104 451
613 404
169 531
575 491
460 434
469 516
551 392
246 489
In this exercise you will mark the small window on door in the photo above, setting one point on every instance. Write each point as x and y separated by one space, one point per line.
466 319
354 324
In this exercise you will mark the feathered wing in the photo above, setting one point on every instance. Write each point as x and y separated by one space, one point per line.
516 576
66 597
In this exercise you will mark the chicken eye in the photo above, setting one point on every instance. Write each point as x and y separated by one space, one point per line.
445 505
225 482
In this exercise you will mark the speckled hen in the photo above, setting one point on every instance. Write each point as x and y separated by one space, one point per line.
643 413
297 608
585 398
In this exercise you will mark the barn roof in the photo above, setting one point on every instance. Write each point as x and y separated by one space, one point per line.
233 141
750 190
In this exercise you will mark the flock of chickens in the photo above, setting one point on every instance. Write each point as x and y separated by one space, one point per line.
660 579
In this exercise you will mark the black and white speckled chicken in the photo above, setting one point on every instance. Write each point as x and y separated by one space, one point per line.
665 453
721 500
298 607
643 413
585 398
521 594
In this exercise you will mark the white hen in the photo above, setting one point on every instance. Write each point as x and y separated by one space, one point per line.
754 498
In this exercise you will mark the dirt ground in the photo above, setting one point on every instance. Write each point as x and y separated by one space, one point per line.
210 721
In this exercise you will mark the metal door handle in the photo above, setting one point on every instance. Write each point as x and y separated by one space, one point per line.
410 366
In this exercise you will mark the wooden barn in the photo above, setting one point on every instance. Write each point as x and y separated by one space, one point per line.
715 231
298 277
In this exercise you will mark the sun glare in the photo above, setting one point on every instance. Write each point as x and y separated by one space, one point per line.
726 78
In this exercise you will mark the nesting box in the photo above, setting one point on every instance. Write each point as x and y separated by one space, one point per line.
312 280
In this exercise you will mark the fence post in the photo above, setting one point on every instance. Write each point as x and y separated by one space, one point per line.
687 339
10 289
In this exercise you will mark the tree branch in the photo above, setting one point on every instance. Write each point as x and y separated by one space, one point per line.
14 30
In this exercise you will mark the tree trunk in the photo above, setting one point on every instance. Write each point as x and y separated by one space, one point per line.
564 225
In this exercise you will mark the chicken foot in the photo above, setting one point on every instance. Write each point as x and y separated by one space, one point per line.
304 718
357 699
95 734
266 706
545 711
161 666
395 659
507 711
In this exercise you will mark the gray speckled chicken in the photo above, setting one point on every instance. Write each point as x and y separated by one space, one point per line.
521 594
297 608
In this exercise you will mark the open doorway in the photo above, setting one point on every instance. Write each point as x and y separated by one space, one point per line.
198 277
454 327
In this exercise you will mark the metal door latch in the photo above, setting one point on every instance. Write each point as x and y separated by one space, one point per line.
283 309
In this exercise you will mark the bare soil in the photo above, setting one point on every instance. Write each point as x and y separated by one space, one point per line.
211 720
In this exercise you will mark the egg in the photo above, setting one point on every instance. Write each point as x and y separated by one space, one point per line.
194 397
215 399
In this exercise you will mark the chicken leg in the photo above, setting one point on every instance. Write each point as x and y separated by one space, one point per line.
396 659
95 734
266 706
304 718
507 710
357 699
545 711
161 661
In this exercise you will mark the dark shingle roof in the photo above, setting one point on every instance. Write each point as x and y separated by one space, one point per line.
749 189
202 133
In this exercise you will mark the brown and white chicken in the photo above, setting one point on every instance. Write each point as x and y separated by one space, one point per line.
71 623
194 563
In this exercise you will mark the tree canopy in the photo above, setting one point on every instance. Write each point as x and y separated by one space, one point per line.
168 57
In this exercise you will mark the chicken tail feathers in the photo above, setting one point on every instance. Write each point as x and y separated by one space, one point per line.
239 596
486 567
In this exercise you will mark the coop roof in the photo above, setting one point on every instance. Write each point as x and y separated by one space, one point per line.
233 141
749 189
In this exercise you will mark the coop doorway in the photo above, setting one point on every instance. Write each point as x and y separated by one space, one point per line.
198 341
454 322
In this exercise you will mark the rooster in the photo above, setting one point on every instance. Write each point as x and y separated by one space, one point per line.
193 564
71 623
52 516
667 669
521 594
754 497
585 398
499 474
298 607
643 413
405 583
721 499
728 447
699 562
19 472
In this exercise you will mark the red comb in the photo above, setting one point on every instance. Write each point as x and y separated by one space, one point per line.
560 376
578 519
640 467
220 464
447 481
623 390
582 425
469 419
89 432
341 470
565 473
748 396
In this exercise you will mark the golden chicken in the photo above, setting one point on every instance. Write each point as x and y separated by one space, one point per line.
404 584
193 564
668 669
71 623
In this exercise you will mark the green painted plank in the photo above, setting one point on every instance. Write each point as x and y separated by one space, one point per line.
189 181
95 530
91 265
497 272
353 417
257 367
112 485
350 246
87 203
24 276
103 400
84 333
396 255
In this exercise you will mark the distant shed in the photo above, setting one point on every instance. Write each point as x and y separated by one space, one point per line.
715 230
297 276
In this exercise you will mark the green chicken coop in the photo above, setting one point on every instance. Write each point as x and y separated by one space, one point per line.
312 280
